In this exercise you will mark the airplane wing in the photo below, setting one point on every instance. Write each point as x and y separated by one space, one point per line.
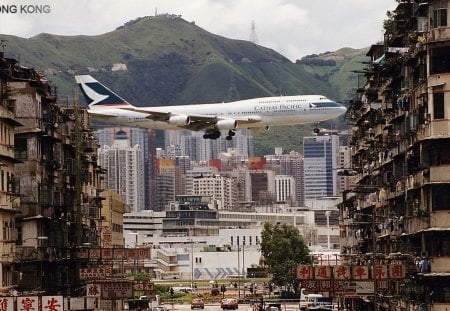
197 122
109 115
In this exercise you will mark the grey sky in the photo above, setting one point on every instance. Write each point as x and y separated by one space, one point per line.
294 28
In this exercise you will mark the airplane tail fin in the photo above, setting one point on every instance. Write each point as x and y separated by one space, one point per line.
96 94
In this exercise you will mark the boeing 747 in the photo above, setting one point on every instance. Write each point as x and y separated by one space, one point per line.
105 105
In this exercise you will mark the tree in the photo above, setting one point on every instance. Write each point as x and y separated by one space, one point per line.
284 249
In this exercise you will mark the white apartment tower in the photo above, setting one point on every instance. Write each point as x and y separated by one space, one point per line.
220 188
123 170
285 188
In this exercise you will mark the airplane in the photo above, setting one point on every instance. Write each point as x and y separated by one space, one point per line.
105 105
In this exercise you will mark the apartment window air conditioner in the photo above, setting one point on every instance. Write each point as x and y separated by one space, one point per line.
422 24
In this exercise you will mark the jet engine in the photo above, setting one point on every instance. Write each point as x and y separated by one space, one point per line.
227 124
179 120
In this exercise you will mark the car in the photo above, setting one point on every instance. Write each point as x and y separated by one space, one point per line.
229 303
197 303
273 307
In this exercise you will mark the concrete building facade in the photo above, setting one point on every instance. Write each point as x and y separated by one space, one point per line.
401 141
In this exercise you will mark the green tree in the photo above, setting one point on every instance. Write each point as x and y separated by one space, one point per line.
284 249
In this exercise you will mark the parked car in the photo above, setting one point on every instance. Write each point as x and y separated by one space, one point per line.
197 303
229 303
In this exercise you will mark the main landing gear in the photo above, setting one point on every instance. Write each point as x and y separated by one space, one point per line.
211 134
214 134
230 135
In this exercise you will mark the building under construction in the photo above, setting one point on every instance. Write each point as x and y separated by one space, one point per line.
400 135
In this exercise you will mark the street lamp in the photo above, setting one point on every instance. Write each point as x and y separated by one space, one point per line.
327 214
192 263
239 268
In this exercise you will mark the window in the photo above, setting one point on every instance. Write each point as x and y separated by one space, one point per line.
20 146
440 60
438 105
439 17
441 197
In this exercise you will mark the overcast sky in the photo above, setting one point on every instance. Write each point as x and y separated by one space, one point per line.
294 28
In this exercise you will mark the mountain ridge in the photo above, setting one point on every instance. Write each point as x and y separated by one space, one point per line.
165 60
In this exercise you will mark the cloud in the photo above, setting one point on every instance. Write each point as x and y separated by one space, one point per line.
293 28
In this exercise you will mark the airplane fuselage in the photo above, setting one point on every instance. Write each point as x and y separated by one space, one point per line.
267 111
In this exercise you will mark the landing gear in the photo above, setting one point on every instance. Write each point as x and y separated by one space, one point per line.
230 135
316 130
211 134
214 134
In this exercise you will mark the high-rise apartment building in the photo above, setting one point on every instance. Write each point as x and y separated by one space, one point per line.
398 214
145 138
124 172
285 188
320 165
218 187
192 144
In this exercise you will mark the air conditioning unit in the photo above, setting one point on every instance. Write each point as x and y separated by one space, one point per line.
422 24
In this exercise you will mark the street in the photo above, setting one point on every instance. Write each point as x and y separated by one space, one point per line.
216 307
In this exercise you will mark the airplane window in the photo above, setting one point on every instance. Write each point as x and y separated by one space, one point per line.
326 104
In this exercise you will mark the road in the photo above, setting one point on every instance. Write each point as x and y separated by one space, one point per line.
216 307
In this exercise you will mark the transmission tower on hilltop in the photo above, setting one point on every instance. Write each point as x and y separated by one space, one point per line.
253 36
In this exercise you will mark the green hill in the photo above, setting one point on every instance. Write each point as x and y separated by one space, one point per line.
165 60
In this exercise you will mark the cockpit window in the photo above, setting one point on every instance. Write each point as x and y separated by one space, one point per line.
325 104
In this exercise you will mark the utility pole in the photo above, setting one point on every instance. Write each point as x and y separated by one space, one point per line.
192 263
239 269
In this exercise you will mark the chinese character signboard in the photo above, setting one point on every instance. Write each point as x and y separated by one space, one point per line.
341 272
95 273
360 272
397 271
92 303
310 285
305 272
326 285
93 290
52 303
349 279
322 272
119 253
117 290
6 304
28 303
143 286
381 272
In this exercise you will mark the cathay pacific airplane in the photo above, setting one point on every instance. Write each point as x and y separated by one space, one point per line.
107 106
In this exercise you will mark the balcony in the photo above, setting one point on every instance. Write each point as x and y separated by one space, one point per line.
439 34
440 264
440 173
440 219
435 129
415 224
